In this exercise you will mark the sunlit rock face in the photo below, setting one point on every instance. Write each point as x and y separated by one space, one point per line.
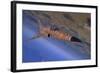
51 49
75 22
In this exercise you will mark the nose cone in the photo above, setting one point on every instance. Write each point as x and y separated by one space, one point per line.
74 39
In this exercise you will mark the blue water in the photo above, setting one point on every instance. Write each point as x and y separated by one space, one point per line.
47 49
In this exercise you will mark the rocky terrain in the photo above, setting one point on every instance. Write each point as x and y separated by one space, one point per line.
77 24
